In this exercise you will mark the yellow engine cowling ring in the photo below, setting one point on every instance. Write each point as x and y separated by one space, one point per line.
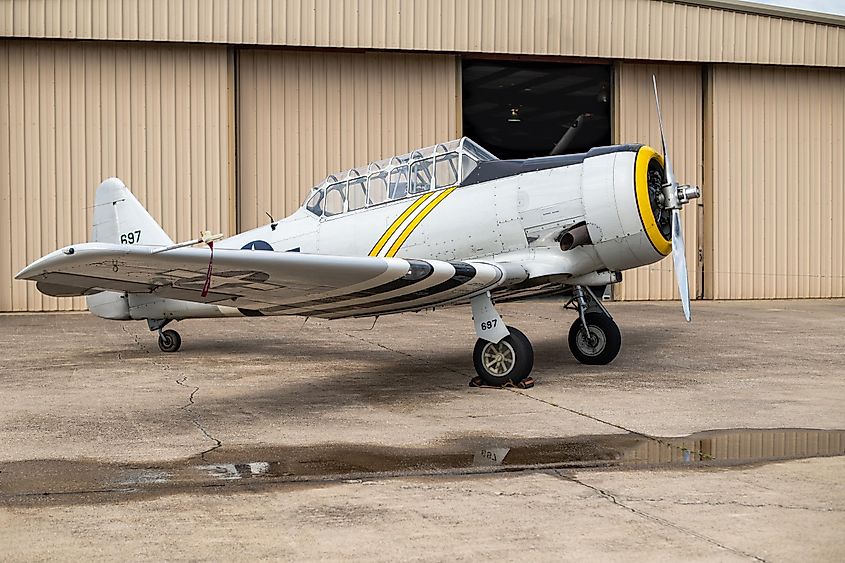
662 242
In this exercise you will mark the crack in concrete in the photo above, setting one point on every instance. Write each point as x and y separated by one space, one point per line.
657 519
187 407
743 504
732 503
585 415
195 419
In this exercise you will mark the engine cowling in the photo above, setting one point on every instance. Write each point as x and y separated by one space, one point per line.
623 208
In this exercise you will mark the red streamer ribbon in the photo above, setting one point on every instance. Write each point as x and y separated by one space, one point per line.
207 285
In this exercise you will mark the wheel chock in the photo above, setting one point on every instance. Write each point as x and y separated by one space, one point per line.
526 383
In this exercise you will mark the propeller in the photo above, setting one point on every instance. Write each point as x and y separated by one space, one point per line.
675 196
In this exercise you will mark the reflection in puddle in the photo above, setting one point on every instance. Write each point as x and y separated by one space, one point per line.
738 446
718 447
490 456
144 477
232 471
41 478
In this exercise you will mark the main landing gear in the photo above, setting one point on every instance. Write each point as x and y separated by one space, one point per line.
168 340
502 353
509 360
594 337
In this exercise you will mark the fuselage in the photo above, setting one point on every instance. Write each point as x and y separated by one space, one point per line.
505 211
551 222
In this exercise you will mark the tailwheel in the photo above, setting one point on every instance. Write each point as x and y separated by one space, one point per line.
509 360
599 343
169 341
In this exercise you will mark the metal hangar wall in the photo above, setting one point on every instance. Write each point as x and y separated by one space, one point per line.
73 113
305 115
215 113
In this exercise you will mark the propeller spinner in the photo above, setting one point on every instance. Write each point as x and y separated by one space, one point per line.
674 197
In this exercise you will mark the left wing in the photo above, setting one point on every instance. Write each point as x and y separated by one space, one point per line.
285 283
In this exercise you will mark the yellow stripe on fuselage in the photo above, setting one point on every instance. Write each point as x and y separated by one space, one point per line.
394 248
395 225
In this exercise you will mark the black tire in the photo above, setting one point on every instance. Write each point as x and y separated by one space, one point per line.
518 355
169 341
603 344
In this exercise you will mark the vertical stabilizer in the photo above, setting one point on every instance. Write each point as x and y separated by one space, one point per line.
120 218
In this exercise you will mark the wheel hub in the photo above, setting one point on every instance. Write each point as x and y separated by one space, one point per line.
498 359
592 343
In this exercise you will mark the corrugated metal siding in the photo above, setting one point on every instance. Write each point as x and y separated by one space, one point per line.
636 122
777 195
304 115
72 114
628 29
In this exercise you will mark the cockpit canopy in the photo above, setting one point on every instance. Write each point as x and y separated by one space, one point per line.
439 166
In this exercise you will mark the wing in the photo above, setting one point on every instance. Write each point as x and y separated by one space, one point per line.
268 282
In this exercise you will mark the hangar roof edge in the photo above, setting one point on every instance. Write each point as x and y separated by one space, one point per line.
693 31
766 10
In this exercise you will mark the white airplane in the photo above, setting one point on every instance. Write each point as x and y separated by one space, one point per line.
442 225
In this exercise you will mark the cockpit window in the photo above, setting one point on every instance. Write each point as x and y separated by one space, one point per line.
357 191
315 203
377 192
477 151
446 170
398 182
468 164
421 176
335 199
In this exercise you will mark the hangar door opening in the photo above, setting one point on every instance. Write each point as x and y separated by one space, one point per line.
521 110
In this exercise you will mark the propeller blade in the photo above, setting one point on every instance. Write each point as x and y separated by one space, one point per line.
680 257
670 173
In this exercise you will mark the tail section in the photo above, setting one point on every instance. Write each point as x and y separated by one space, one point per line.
120 218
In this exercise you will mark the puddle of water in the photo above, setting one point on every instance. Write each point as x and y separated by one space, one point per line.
52 478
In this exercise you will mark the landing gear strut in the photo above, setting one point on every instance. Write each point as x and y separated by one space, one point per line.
168 340
594 337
